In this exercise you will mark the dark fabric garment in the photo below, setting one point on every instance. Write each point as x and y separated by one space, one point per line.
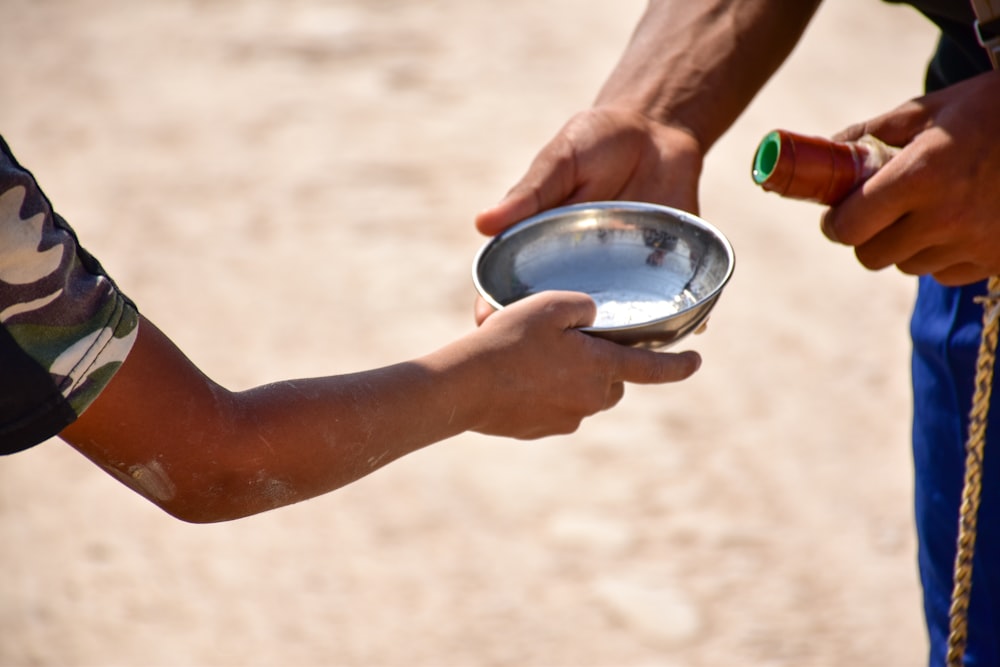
959 55
65 328
956 11
33 409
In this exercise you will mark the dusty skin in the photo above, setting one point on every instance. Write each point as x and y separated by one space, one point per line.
287 188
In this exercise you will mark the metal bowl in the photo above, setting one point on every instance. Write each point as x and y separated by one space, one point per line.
654 272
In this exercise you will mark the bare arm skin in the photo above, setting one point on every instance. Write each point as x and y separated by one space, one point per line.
204 453
688 72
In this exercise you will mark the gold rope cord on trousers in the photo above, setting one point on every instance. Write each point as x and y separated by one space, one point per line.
972 484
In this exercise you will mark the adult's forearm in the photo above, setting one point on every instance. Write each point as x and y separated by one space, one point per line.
698 64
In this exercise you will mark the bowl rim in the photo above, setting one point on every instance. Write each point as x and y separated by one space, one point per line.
625 205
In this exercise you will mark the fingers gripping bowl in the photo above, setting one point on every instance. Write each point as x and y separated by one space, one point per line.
654 272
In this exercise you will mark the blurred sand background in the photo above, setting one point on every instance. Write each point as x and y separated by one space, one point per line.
287 188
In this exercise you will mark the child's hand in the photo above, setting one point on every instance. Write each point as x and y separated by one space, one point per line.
540 376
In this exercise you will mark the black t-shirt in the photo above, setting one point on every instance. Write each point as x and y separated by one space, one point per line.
959 55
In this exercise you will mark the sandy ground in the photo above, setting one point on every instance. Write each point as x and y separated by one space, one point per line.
287 188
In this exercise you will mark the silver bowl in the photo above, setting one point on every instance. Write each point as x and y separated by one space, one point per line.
654 272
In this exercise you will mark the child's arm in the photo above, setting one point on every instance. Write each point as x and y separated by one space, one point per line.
203 453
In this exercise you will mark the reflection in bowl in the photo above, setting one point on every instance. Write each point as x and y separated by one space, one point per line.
654 272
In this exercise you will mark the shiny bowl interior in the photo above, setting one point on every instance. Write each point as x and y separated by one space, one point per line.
654 272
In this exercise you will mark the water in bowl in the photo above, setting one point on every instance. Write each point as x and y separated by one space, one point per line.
620 309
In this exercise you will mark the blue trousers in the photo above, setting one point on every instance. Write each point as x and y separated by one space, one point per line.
945 328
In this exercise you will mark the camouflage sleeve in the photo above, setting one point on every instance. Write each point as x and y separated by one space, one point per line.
65 328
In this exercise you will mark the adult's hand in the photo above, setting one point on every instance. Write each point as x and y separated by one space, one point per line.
605 152
602 153
686 74
934 208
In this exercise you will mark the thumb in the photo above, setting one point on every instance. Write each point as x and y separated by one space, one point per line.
896 128
520 203
565 310
548 182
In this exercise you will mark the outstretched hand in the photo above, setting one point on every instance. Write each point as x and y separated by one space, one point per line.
604 153
934 208
553 375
